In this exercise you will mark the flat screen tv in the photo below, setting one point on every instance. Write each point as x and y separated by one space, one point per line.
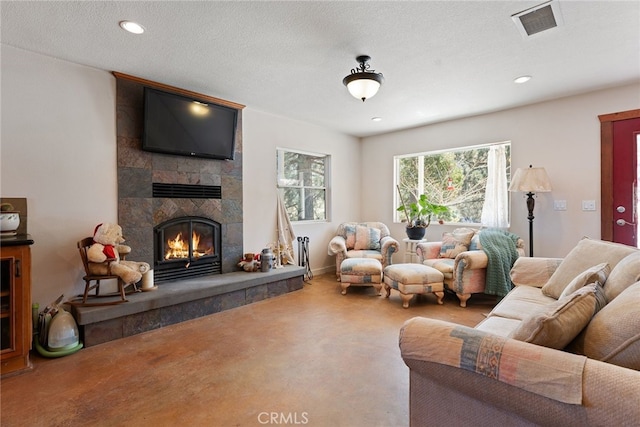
175 124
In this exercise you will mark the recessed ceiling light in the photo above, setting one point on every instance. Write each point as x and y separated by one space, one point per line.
376 119
522 79
132 27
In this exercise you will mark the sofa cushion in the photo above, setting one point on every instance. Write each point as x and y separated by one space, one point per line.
533 271
586 254
367 238
444 265
364 254
456 242
613 335
623 275
497 325
597 273
557 324
520 302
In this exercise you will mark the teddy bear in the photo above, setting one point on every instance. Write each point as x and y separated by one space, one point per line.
104 255
249 262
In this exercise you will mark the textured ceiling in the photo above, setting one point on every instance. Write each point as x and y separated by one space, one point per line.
441 59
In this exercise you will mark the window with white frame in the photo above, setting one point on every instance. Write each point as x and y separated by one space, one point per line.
471 181
303 179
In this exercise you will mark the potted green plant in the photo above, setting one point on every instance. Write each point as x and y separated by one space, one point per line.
418 215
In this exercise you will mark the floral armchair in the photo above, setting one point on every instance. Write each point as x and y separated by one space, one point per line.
462 260
362 240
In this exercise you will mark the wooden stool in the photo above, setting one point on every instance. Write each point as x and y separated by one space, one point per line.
413 279
361 272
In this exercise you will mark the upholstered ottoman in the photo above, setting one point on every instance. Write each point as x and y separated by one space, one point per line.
361 272
413 279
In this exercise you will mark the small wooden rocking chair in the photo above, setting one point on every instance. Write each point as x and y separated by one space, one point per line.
83 247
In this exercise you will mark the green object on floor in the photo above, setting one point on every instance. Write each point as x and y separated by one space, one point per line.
52 354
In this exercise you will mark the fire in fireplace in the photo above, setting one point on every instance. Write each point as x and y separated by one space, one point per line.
187 247
178 248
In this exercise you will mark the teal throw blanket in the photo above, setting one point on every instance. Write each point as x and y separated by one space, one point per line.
500 247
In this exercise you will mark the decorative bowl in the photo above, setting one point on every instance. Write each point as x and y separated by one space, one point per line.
9 222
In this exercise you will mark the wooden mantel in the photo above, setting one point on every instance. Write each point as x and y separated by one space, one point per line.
177 90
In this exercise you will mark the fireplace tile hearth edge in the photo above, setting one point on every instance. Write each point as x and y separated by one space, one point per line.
183 300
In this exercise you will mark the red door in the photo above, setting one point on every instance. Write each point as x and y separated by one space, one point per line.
625 181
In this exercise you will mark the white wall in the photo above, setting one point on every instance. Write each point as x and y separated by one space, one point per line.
58 150
262 134
563 136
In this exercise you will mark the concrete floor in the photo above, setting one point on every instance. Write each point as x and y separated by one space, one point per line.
311 357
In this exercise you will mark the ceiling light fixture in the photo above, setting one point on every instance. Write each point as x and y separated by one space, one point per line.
376 119
132 27
363 83
522 79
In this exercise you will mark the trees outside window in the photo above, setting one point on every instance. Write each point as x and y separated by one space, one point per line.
303 183
455 178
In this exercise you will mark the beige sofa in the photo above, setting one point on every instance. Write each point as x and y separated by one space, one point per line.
559 349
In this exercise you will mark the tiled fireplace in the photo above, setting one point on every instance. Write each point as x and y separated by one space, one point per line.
147 184
183 216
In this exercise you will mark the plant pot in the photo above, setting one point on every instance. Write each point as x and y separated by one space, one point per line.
9 222
416 233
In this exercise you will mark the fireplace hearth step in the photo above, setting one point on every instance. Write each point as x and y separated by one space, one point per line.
181 300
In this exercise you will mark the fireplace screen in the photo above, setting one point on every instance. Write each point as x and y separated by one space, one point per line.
187 247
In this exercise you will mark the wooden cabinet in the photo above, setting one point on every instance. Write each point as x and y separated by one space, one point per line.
15 303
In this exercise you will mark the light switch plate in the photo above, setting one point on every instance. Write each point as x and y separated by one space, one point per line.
559 205
588 205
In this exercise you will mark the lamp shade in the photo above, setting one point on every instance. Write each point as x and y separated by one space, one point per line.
531 180
363 85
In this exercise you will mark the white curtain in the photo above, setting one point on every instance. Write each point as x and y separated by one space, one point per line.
285 235
495 211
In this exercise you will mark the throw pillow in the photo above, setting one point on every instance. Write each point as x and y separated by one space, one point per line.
533 271
350 235
456 242
613 335
587 253
623 275
558 323
598 273
475 244
367 238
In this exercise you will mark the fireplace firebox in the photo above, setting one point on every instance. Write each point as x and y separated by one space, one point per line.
187 247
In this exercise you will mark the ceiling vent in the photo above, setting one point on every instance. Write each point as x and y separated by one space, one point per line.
538 18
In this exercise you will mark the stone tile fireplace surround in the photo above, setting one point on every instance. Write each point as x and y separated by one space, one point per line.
139 212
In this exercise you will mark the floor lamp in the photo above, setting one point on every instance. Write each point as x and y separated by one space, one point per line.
530 181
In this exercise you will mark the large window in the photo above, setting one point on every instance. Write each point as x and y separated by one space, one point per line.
471 181
303 182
